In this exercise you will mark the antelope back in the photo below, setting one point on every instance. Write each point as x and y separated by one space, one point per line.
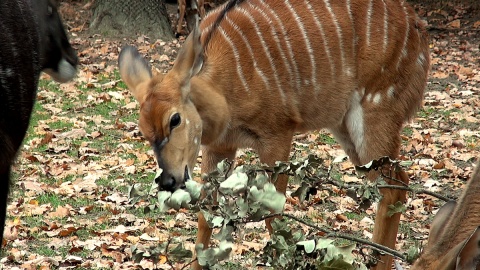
454 241
260 68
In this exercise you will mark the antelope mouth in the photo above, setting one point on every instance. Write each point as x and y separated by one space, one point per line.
186 176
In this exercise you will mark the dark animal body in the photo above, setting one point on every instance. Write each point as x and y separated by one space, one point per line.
32 39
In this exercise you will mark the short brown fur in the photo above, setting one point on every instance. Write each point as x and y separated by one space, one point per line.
454 242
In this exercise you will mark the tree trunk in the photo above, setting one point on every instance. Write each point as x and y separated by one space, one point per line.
122 18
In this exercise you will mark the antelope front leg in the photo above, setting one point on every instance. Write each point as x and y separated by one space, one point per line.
386 228
210 159
279 150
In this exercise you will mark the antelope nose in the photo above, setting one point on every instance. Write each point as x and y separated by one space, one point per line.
166 182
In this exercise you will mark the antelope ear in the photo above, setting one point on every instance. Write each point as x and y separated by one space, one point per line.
135 72
440 220
190 59
469 256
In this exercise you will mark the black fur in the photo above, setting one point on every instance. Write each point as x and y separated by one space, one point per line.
32 38
230 5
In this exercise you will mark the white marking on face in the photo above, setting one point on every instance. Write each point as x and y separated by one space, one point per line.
195 140
391 91
187 122
65 72
354 122
377 98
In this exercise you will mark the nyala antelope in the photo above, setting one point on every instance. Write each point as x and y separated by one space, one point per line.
454 240
32 39
189 10
257 71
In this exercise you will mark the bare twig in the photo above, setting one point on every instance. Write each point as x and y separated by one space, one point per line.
188 264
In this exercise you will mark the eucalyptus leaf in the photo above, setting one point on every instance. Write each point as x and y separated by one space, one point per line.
324 243
162 197
235 183
195 189
180 198
308 245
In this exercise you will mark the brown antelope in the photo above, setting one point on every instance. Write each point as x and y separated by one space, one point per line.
32 39
257 71
454 241
188 9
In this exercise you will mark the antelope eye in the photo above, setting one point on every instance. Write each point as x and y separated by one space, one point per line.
175 121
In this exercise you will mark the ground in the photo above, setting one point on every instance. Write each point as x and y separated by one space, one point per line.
69 206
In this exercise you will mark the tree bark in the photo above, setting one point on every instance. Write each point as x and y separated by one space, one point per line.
122 18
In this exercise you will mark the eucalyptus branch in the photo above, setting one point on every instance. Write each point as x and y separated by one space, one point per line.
333 234
406 188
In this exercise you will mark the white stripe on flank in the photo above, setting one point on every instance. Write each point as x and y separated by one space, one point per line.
369 20
273 32
319 25
308 45
265 49
421 59
352 24
237 57
250 51
339 34
349 10
385 27
405 39
287 42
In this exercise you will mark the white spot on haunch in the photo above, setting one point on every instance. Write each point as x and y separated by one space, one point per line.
369 97
377 98
391 91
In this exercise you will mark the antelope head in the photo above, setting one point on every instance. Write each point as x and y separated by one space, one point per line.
168 117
